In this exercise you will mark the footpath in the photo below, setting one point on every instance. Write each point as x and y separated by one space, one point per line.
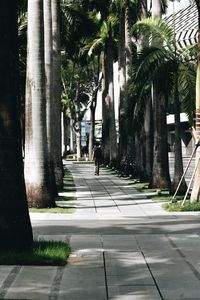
124 247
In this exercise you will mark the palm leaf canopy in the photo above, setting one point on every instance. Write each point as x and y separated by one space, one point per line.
162 62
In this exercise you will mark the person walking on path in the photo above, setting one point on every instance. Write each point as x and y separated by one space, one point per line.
97 156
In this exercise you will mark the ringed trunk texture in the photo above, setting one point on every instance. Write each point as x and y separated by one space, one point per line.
195 195
105 115
38 185
178 159
160 172
122 90
15 226
92 130
111 112
57 145
48 85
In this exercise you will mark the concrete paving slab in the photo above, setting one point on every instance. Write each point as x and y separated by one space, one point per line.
32 283
83 293
174 276
84 277
80 242
133 293
5 271
119 243
127 269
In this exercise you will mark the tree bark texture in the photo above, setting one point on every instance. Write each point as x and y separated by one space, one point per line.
15 227
57 151
178 159
195 195
122 89
160 173
36 153
48 90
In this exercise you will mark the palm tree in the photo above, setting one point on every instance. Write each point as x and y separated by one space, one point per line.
48 84
160 170
148 122
93 103
122 83
15 226
105 42
56 94
195 195
37 177
168 65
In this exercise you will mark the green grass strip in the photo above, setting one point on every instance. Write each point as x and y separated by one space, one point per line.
179 208
45 253
54 210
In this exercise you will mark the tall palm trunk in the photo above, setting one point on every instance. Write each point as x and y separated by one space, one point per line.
77 123
105 114
122 88
128 45
93 110
92 128
148 136
195 195
160 173
128 52
92 121
48 85
148 114
57 147
110 96
36 154
178 160
15 226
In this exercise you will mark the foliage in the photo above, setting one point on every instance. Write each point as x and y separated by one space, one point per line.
44 253
55 210
179 208
161 63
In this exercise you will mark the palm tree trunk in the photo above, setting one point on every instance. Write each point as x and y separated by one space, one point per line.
160 172
48 85
92 130
110 96
36 154
105 115
195 195
93 110
57 93
15 226
128 45
77 123
178 161
122 89
128 52
148 118
148 137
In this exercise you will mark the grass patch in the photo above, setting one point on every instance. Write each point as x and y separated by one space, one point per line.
165 197
54 210
179 208
65 198
69 188
143 187
83 162
45 253
60 208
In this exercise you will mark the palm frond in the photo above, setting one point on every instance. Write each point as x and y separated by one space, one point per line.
148 62
96 45
155 29
187 79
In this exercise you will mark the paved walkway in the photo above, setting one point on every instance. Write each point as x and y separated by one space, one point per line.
124 247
